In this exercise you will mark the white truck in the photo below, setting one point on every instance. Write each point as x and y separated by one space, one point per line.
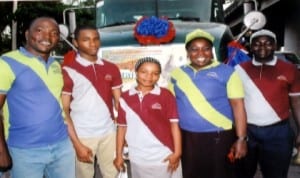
117 21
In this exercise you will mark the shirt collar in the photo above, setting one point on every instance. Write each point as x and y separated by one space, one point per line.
155 90
270 63
27 53
86 62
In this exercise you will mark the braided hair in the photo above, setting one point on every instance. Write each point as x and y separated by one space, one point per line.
141 61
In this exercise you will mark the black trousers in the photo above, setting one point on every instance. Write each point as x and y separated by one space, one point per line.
271 148
205 154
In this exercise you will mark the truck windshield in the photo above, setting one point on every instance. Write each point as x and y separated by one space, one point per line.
116 12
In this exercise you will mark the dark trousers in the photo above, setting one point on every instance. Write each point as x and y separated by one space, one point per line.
270 147
204 155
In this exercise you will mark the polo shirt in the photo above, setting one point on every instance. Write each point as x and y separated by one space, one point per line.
148 119
32 88
267 90
91 85
203 96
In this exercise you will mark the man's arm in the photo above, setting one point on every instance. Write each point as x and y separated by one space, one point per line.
295 106
83 153
5 159
116 96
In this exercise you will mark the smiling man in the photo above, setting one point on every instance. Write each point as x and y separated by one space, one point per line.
31 83
272 92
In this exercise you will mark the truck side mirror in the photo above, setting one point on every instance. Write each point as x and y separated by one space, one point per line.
64 33
253 20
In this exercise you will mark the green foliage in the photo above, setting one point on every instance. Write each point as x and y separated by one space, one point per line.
6 18
29 10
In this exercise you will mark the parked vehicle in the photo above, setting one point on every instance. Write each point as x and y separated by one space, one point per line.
118 21
289 56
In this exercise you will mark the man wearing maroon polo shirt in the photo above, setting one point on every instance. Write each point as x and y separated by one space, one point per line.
272 90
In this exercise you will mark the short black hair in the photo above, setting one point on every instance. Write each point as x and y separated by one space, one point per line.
83 27
38 18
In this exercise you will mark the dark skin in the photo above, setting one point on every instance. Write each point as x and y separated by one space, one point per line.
263 48
41 38
200 53
87 43
5 159
147 76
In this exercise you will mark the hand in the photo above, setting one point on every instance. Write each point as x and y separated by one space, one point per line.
84 154
5 161
239 149
173 162
119 164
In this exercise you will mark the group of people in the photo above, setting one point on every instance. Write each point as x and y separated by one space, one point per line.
213 120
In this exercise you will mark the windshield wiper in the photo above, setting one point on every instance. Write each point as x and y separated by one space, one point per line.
119 23
183 18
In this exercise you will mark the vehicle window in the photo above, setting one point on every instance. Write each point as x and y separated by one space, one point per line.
115 12
292 58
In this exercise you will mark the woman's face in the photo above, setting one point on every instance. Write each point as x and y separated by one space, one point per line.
200 53
147 75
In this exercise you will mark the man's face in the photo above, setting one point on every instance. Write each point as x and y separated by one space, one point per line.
200 53
263 48
88 43
42 36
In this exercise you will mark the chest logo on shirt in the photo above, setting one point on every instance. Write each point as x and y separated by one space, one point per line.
212 74
108 77
156 106
282 78
56 69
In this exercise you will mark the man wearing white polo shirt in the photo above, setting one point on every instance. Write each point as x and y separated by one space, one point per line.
91 87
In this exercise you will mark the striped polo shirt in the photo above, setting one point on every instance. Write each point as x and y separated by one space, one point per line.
267 90
148 119
203 96
91 85
33 89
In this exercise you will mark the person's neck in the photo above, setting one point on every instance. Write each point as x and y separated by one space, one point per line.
264 60
92 59
144 90
44 56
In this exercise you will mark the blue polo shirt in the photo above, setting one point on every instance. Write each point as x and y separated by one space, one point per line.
33 89
203 96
